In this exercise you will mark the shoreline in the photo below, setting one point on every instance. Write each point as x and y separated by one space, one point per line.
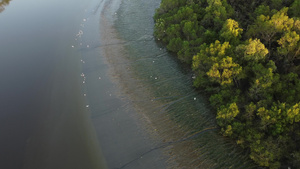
154 111
114 53
164 132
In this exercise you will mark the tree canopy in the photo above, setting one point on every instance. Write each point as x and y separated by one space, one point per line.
246 56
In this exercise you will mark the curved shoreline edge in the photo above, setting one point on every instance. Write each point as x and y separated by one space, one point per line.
155 112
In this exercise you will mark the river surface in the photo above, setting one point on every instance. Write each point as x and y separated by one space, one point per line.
84 84
43 119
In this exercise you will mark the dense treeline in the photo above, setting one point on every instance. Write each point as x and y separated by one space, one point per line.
246 55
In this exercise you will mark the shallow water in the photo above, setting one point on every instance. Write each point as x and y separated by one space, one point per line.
120 132
160 88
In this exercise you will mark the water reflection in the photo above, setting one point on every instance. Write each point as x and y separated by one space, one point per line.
3 3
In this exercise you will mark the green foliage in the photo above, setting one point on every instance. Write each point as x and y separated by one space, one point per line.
209 54
262 10
231 31
287 89
218 67
173 31
210 36
186 13
215 15
263 29
185 54
289 48
189 30
276 4
175 44
293 115
296 159
253 50
288 43
266 153
281 22
160 28
295 8
247 57
226 114
266 28
168 5
224 72
223 96
263 79
250 110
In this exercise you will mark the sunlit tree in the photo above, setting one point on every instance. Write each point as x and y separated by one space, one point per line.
231 32
253 50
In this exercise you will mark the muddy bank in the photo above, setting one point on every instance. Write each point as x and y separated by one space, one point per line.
160 91
122 136
166 136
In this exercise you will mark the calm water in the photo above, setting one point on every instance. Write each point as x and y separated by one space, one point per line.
43 119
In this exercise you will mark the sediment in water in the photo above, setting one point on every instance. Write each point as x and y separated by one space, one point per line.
166 134
64 136
171 111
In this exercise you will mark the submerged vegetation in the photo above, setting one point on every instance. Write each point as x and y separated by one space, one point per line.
246 55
